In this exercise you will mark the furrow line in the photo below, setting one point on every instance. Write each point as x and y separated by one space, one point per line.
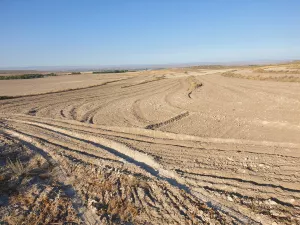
147 163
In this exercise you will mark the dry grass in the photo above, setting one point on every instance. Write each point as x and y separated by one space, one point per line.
28 182
108 195
52 208
17 167
119 207
263 78
261 70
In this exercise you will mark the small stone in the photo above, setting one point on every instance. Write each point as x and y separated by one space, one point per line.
274 213
229 198
230 159
271 202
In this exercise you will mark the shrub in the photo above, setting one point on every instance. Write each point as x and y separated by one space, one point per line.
26 76
110 71
6 97
50 75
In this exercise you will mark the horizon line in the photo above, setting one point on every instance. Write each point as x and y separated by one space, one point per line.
154 65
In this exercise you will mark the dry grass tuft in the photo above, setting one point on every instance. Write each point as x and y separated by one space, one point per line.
17 167
122 210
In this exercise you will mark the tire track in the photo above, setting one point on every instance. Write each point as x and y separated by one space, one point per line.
147 163
167 122
87 216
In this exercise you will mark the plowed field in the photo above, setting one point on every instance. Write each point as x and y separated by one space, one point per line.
153 147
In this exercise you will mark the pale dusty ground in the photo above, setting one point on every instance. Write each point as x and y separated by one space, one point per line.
53 84
180 146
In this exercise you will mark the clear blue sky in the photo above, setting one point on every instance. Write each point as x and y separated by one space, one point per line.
118 32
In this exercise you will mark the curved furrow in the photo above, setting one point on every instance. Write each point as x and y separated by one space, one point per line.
144 161
119 97
124 104
265 147
226 154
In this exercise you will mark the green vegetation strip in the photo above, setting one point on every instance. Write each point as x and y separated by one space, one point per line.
26 76
6 97
111 71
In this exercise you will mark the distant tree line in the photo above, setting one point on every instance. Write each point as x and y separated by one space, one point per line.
26 76
111 71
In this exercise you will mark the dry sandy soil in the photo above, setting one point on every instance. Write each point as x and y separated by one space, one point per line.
54 84
178 146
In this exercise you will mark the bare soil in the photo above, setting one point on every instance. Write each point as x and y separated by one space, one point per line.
178 146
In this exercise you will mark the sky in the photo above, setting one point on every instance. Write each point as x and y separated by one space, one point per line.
132 32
